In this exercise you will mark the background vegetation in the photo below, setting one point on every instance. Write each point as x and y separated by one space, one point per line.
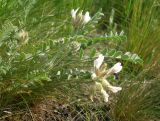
29 83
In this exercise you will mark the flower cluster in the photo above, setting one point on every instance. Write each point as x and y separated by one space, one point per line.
79 19
100 74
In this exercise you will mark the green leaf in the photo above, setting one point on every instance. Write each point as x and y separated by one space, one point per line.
97 16
105 52
134 58
125 57
93 53
81 54
112 52
118 54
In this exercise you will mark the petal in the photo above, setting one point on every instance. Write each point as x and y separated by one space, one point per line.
87 18
105 95
115 89
74 12
93 76
115 69
98 62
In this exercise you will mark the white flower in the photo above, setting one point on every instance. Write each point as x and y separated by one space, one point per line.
79 19
73 13
98 62
86 18
99 76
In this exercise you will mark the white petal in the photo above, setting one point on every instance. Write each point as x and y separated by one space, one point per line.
115 69
93 76
105 95
98 62
115 89
74 12
87 18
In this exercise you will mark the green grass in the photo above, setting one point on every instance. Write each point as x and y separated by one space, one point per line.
139 101
28 72
140 20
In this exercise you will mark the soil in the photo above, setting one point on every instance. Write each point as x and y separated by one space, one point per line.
51 110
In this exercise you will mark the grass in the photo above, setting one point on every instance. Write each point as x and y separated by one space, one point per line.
145 25
28 72
140 20
138 101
